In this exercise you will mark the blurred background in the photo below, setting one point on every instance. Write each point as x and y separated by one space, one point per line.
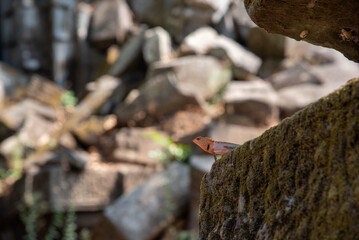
100 101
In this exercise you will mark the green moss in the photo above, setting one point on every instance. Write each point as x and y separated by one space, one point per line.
297 181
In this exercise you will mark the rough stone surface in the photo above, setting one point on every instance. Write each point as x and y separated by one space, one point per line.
331 24
157 45
298 180
170 86
145 212
255 100
111 21
298 74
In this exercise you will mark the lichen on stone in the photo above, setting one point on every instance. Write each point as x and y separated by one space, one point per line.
299 180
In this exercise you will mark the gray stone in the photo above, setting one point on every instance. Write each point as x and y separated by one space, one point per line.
134 145
255 100
234 133
89 130
12 83
206 41
130 53
111 22
76 158
200 165
170 86
243 61
266 44
157 45
292 99
179 18
298 74
15 115
199 41
44 91
149 209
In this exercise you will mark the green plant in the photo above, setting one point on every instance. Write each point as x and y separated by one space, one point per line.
186 235
68 99
33 209
15 172
176 151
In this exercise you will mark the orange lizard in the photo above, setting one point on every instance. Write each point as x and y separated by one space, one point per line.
214 147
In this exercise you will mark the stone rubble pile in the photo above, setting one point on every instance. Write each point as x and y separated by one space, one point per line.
143 71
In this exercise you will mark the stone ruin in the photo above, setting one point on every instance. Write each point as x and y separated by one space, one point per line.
184 69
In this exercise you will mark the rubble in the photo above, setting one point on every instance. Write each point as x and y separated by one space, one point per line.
149 208
148 77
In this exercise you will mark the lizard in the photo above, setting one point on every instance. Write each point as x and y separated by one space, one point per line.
214 147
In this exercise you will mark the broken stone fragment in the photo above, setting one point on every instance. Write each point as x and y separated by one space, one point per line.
254 100
243 61
205 40
89 130
14 116
200 165
130 55
44 91
149 209
134 145
111 22
157 45
298 74
171 86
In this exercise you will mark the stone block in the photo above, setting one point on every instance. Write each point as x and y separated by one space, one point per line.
149 209
298 180
298 74
254 100
111 22
200 165
157 45
133 145
171 86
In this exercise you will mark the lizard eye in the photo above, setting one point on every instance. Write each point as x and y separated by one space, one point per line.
207 147
197 138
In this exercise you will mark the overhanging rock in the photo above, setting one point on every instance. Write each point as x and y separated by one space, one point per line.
329 23
299 180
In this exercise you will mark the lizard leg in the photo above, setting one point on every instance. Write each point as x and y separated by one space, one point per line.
215 157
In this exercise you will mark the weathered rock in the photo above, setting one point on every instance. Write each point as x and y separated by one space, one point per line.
199 41
89 130
133 145
34 136
88 190
44 91
145 213
75 158
170 86
234 133
292 99
157 45
266 45
184 126
328 23
15 115
243 61
111 22
298 74
12 83
179 18
254 100
130 55
299 180
200 165
206 40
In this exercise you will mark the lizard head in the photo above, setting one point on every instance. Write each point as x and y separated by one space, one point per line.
205 143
